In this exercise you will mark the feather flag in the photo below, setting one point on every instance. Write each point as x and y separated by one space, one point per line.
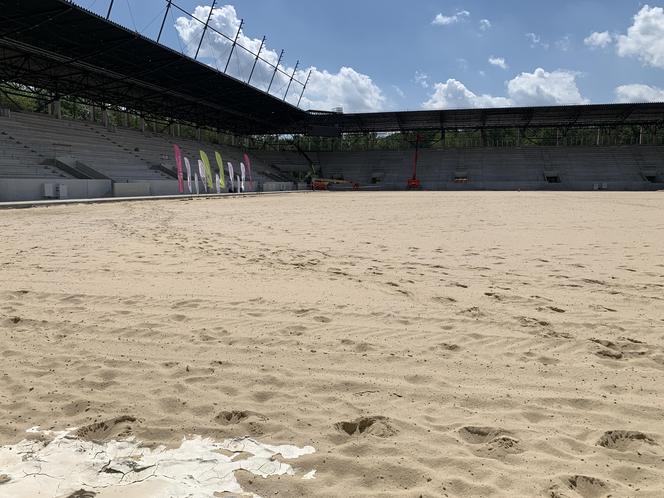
178 165
231 176
187 165
208 170
251 180
242 173
220 165
201 171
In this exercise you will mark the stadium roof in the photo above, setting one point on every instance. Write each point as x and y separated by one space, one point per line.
513 117
59 47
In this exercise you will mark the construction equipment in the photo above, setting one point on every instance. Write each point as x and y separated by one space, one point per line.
414 182
330 184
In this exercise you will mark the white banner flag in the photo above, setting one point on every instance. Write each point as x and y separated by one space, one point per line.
231 175
242 173
188 166
217 182
196 180
201 171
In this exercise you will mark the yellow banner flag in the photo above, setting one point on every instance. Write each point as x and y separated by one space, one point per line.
220 164
208 170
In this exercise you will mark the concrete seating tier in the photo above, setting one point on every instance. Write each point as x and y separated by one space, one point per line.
620 167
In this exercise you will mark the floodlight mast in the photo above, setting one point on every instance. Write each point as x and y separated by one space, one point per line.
276 68
291 80
163 22
303 89
207 23
110 8
258 55
234 44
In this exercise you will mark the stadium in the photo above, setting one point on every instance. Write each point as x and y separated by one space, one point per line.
48 53
439 302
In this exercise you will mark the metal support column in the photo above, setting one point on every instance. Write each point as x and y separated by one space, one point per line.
256 60
163 21
290 82
276 68
303 89
237 35
207 23
110 8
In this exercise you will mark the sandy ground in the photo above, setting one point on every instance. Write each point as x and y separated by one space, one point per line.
488 344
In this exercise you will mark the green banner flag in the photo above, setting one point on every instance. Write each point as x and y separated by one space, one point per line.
208 170
220 163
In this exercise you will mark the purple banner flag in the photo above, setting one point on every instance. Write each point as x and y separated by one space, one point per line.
178 163
247 162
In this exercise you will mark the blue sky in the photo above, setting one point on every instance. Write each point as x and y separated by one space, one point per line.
384 54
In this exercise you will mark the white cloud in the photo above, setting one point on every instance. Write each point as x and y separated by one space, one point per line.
422 79
442 20
398 91
545 88
454 95
527 89
355 91
536 41
485 25
599 40
498 62
565 43
645 38
639 93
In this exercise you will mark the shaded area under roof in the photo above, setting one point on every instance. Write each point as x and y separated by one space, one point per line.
60 47
513 117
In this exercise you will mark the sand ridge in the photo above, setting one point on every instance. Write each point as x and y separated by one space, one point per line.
426 344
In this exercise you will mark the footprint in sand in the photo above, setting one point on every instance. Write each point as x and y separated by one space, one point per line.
449 347
586 486
234 417
322 319
624 440
81 493
295 330
621 350
480 435
115 429
494 441
443 300
377 426
473 312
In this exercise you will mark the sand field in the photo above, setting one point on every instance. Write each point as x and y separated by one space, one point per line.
425 344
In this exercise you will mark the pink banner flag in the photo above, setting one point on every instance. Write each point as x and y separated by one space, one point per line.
247 162
178 163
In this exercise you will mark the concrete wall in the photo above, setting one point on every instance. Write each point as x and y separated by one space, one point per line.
165 187
131 189
33 189
279 186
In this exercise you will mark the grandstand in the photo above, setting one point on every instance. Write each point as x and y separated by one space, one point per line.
47 53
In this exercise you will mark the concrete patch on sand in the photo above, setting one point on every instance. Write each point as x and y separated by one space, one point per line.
51 463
